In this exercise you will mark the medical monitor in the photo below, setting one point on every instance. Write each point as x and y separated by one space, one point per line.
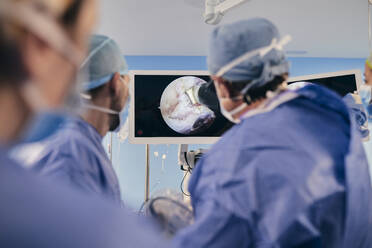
162 113
342 82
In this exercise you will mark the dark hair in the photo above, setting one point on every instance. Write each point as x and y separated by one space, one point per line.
96 91
69 18
12 68
255 94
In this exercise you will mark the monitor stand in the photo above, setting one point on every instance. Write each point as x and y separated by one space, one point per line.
147 174
187 161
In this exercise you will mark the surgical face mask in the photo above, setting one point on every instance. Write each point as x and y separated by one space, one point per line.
365 93
278 45
45 121
123 114
230 114
43 125
124 131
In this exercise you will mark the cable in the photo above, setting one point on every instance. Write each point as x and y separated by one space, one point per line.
183 179
141 208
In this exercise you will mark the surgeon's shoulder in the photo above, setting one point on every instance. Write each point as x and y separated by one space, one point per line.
61 214
70 139
66 144
262 129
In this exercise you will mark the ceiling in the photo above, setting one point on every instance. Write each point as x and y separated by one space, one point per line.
321 28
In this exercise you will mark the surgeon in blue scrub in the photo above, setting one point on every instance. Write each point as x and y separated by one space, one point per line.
75 154
42 44
292 171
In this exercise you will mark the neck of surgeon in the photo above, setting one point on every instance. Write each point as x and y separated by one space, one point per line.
99 120
241 107
235 102
16 114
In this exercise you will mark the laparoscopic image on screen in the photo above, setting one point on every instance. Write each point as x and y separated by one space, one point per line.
164 109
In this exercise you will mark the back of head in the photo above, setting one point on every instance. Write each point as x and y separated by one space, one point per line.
41 44
228 43
103 61
14 27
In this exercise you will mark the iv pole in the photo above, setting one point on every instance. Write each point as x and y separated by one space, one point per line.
147 166
147 175
110 147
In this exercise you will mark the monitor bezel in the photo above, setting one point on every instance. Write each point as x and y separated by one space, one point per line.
163 140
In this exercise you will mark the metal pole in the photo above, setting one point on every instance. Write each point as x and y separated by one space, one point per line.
110 147
147 177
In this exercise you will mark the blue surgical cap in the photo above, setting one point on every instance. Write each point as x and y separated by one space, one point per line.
229 42
104 60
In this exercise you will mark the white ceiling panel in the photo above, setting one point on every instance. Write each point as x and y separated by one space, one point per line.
321 28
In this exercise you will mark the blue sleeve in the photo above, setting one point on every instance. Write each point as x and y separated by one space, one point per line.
67 169
37 212
214 227
272 196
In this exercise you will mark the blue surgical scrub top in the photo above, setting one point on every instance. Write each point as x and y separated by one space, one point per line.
294 176
75 155
37 212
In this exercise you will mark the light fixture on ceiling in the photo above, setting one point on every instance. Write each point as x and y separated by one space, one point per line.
214 10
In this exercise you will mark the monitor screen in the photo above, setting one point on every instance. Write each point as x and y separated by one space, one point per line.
341 82
164 112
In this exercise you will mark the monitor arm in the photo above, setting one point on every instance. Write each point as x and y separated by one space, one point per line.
188 159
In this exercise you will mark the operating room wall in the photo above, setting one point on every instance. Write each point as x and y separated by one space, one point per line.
129 160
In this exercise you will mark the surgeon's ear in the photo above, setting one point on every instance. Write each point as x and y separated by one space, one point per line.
115 84
222 87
